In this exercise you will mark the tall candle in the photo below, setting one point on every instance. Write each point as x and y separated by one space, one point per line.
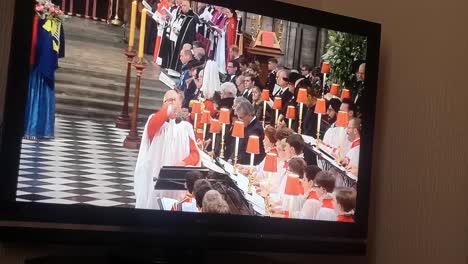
236 148
264 112
299 128
131 38
213 144
276 116
141 45
318 124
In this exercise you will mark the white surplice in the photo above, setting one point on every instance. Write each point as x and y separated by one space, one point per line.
171 144
336 137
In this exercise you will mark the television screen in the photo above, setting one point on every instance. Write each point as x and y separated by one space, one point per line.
183 108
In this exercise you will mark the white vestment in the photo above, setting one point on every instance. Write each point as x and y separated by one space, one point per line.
211 82
170 145
310 209
220 52
336 137
326 213
353 156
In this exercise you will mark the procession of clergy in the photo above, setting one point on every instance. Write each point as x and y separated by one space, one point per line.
201 117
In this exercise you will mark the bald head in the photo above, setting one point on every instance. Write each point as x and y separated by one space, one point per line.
280 75
361 74
354 129
185 6
174 98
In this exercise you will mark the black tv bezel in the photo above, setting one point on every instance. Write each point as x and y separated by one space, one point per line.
278 235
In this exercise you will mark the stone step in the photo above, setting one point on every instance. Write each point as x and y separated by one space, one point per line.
98 107
72 73
85 92
101 67
92 113
110 86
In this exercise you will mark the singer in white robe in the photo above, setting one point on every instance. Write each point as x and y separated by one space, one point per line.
351 160
166 141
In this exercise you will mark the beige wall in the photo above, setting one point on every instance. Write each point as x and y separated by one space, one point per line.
419 212
6 7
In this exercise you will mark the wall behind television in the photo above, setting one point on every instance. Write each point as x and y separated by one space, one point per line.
419 212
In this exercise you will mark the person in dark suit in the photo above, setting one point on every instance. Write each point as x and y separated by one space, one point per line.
289 97
249 83
233 71
271 79
252 126
282 83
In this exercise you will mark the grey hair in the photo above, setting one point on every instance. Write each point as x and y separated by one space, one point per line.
240 99
245 107
198 53
229 87
213 202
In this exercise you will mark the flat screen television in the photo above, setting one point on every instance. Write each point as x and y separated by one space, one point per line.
69 172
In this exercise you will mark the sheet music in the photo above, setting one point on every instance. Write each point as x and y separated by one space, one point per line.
208 162
167 203
173 73
312 141
147 5
242 182
167 13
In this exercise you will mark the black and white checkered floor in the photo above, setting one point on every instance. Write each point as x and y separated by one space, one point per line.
85 163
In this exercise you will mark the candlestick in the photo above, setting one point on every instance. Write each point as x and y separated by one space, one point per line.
264 113
324 80
141 41
223 132
301 108
116 20
123 120
276 116
318 130
195 123
204 135
252 157
236 150
86 9
224 119
131 38
94 10
70 13
133 140
213 144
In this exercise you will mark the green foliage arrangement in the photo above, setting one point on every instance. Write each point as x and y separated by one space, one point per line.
342 50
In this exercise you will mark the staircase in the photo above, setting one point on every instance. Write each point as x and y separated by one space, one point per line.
86 93
90 80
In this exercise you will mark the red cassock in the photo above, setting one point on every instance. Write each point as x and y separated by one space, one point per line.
230 35
163 4
345 218
328 203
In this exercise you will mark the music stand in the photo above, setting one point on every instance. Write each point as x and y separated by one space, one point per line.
173 177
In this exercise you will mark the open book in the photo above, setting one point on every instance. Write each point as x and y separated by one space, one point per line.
167 13
166 203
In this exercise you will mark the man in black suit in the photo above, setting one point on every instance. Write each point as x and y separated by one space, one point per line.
233 70
282 82
271 79
245 113
249 83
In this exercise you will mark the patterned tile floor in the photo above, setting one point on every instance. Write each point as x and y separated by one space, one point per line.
84 164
